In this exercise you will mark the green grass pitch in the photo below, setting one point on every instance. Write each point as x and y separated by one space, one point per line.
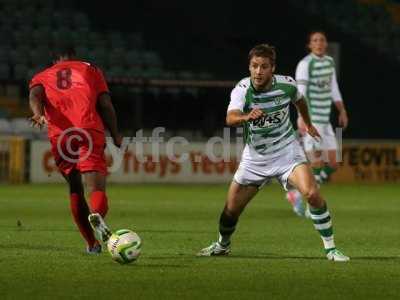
275 255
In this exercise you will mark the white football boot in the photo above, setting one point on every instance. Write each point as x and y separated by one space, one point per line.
336 255
99 227
215 249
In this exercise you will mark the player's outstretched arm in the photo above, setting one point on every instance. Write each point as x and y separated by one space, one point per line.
107 113
36 98
302 109
237 118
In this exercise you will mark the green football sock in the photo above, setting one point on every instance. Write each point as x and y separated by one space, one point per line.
322 223
316 171
227 226
317 174
326 172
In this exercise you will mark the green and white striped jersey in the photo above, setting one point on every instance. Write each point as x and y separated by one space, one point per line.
316 79
273 132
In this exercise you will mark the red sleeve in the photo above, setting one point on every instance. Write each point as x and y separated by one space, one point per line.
100 83
36 80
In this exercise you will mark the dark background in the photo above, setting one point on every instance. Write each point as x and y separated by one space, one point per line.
218 34
215 36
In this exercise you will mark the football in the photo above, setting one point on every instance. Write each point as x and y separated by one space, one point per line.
124 246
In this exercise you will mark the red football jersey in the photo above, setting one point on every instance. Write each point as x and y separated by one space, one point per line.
72 88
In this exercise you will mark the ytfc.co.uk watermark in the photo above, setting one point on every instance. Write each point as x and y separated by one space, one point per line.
176 148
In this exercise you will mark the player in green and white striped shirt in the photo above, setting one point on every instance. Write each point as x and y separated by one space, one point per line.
261 104
316 80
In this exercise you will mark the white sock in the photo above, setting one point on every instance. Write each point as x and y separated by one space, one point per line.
329 242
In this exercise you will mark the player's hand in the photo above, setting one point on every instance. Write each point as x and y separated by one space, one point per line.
311 130
255 114
301 126
38 121
117 140
343 119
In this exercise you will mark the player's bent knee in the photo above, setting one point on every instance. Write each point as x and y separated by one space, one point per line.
94 182
313 196
95 188
316 201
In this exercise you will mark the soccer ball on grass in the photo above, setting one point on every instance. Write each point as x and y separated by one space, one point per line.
124 246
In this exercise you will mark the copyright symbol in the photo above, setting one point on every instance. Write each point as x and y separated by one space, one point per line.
68 143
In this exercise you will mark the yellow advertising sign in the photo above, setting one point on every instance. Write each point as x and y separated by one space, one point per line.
369 162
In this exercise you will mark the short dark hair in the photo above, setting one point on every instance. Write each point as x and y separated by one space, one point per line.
62 48
312 32
263 50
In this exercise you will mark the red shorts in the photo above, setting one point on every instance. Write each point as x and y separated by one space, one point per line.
79 149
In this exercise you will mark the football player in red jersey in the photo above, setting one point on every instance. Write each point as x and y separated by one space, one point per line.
72 98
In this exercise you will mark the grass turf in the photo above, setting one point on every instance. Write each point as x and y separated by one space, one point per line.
275 254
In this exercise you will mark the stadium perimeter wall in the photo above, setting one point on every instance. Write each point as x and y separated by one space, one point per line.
362 162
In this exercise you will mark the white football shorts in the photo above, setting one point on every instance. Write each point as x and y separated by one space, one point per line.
257 169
